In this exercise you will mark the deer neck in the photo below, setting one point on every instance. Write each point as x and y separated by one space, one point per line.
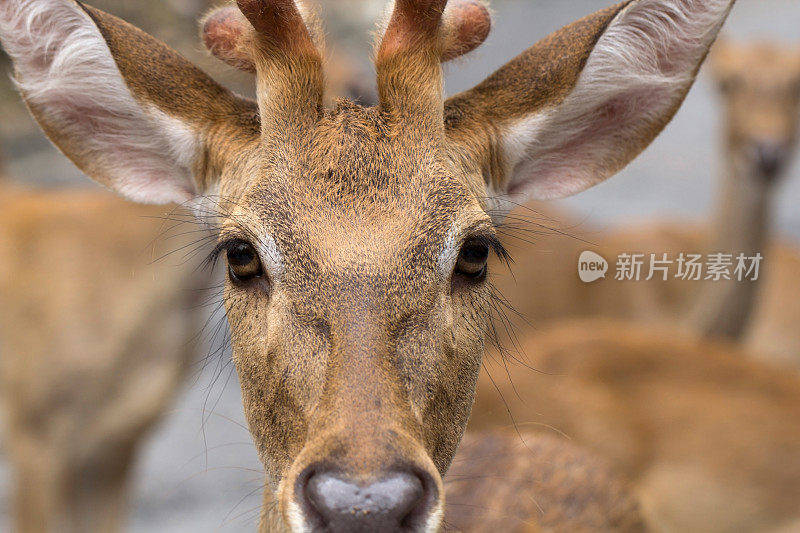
741 225
742 220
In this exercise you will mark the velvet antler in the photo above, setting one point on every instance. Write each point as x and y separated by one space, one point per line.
227 33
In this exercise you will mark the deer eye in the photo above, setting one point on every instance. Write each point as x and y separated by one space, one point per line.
243 262
473 259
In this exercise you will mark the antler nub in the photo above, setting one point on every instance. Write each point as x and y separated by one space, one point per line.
467 25
226 33
271 38
413 23
279 23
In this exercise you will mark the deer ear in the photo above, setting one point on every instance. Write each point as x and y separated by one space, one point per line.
125 108
576 108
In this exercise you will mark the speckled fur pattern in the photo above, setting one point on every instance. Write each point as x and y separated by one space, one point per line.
531 482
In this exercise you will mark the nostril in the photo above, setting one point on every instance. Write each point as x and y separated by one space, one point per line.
397 501
770 158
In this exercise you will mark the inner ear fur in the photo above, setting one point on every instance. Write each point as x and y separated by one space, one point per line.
577 107
126 109
160 77
541 77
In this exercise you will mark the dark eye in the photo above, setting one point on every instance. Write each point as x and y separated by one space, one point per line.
243 262
472 259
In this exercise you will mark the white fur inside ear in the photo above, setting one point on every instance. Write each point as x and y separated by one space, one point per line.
635 76
65 70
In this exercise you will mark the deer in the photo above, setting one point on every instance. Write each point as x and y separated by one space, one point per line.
706 432
759 86
356 239
138 272
530 482
84 484
96 336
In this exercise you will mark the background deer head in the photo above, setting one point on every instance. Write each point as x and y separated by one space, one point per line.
760 89
356 238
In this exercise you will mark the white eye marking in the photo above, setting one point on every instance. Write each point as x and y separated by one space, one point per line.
270 254
450 250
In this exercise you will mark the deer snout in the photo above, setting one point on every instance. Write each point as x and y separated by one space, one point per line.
770 158
399 501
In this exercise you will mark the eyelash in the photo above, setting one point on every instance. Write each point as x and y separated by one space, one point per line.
494 245
222 247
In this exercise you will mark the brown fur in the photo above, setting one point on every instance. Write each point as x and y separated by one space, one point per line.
95 338
760 87
228 123
534 483
280 24
708 434
355 350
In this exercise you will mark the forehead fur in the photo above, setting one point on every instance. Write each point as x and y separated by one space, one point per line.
360 180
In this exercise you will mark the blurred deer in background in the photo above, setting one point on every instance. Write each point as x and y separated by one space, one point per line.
356 239
97 331
760 89
535 483
96 335
709 435
532 483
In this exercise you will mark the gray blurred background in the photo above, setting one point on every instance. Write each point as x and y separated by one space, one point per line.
199 472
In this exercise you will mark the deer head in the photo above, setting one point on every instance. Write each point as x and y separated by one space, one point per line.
356 238
760 89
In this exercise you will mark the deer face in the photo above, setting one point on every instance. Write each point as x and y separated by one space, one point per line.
356 239
760 88
351 319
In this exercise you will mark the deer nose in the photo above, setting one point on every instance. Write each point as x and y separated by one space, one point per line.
396 502
770 157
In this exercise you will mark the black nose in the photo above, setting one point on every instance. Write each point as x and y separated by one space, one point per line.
395 502
770 158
